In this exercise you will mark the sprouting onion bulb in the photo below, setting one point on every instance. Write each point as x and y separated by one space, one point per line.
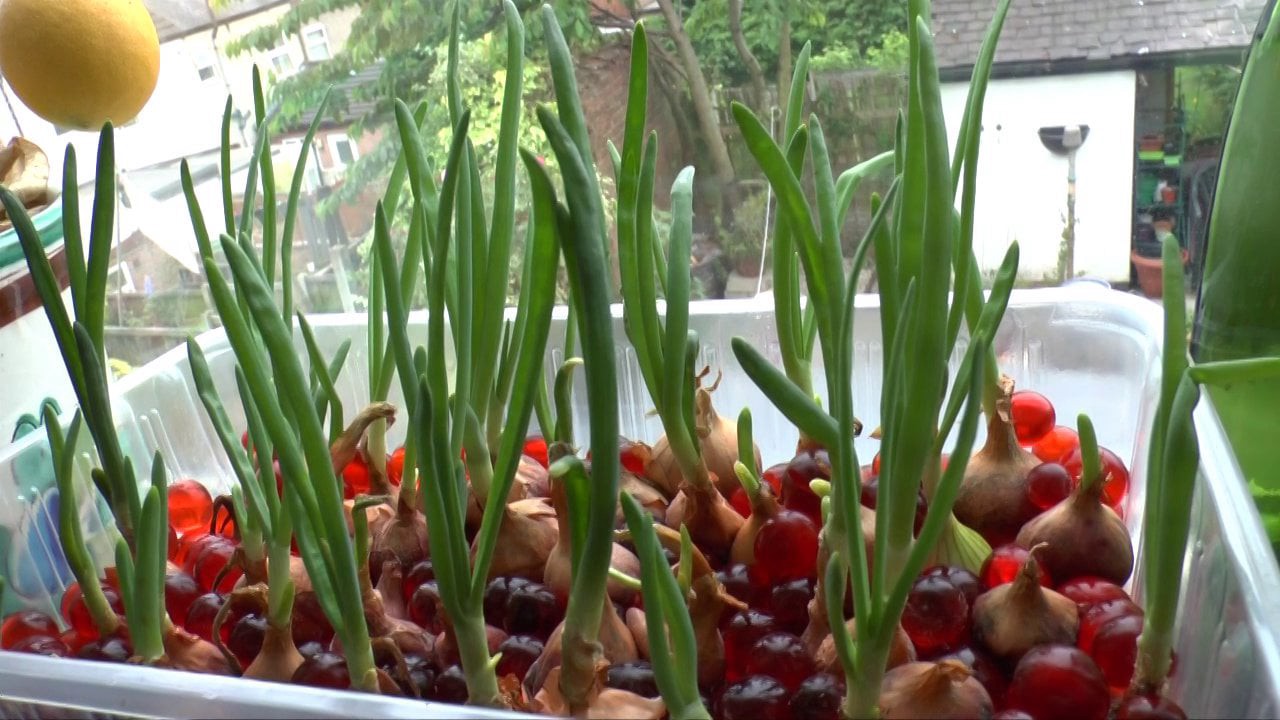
914 252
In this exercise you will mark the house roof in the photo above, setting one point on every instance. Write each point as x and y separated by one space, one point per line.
1061 35
179 18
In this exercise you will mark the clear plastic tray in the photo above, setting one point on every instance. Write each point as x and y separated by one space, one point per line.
1089 349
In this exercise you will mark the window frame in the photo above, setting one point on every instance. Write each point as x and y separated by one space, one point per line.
307 44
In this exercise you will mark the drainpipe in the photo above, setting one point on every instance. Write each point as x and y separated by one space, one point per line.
1066 140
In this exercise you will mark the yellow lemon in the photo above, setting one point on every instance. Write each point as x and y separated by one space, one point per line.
79 63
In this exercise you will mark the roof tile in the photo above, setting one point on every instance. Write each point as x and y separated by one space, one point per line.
1041 30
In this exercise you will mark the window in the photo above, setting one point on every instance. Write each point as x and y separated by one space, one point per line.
316 40
281 62
342 151
289 150
205 61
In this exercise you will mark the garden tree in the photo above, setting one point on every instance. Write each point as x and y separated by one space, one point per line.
397 49
773 29
748 57
703 108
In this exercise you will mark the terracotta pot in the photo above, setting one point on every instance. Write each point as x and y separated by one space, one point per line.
1151 273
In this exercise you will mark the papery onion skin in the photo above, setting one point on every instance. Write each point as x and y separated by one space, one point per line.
944 690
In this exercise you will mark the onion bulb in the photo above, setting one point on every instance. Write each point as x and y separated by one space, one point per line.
713 523
602 703
1084 537
819 627
901 651
943 690
718 436
1012 618
526 536
993 495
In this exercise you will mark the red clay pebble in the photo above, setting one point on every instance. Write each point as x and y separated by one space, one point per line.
758 697
1059 682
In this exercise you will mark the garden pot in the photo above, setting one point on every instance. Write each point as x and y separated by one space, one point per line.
1151 274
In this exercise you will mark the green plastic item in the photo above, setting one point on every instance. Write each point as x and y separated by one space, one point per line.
48 223
1239 306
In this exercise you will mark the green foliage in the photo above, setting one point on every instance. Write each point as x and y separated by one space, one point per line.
397 49
848 32
836 57
890 54
746 230
1208 92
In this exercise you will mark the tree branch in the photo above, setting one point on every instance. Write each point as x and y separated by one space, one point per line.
748 58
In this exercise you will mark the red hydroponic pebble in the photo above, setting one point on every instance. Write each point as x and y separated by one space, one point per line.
871 492
1087 591
180 590
190 507
1058 442
200 616
806 466
1099 615
424 608
535 446
421 572
1003 564
781 656
758 697
325 670
355 477
967 582
1059 682
175 547
1149 707
634 676
1033 416
632 455
26 624
740 633
1012 715
52 646
76 612
211 562
245 641
787 547
1048 484
736 579
1115 648
875 464
936 616
518 654
1115 478
395 466
532 609
740 502
818 698
789 603
774 475
194 547
116 649
224 522
309 621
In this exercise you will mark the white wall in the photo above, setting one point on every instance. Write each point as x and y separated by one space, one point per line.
1022 187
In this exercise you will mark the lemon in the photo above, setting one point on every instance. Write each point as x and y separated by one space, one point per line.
79 63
